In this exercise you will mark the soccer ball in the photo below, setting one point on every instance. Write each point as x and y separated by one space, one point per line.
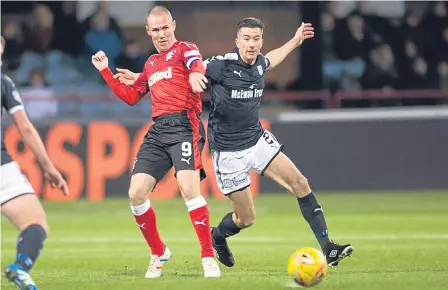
307 267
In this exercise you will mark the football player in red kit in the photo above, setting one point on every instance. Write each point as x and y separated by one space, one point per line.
175 78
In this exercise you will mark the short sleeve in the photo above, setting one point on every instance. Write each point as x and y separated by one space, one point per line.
266 63
11 100
190 53
213 67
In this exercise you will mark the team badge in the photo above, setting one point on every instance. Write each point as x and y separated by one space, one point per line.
260 70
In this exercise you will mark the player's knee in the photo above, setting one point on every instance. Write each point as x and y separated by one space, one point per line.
137 196
41 221
189 190
300 186
247 222
46 227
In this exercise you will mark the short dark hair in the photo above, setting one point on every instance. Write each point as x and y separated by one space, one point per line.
250 22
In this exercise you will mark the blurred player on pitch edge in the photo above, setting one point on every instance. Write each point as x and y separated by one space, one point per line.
18 200
175 78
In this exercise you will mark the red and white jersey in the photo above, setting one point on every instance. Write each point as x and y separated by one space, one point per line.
166 76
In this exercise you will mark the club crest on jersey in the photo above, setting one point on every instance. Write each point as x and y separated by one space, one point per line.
160 75
260 69
170 55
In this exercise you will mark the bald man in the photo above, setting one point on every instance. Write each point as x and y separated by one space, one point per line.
175 78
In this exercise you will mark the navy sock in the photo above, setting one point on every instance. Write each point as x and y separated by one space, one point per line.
314 215
226 228
29 245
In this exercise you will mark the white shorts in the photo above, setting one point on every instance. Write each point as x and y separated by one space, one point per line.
13 182
232 169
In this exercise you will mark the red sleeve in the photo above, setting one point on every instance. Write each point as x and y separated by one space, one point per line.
190 54
198 66
131 95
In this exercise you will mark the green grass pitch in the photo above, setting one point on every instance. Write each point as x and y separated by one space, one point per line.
400 240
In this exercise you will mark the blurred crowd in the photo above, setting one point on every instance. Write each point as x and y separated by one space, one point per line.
46 49
362 50
359 49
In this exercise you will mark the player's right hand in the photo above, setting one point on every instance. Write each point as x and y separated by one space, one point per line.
198 82
54 177
100 60
125 76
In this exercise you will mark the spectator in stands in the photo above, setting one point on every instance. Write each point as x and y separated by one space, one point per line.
68 31
413 29
419 78
103 8
442 69
39 33
16 45
338 73
102 37
41 36
381 72
442 47
37 79
353 39
132 57
437 18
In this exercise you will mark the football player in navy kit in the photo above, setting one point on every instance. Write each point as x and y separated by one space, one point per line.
18 200
240 144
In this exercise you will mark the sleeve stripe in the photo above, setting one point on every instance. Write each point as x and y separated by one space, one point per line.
191 60
268 62
15 109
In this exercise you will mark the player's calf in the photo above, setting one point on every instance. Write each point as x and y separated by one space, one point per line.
285 173
189 185
144 214
232 224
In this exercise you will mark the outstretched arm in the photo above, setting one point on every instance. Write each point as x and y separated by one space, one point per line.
276 56
130 95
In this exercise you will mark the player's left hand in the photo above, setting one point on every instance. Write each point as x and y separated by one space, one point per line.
125 76
305 31
198 82
54 177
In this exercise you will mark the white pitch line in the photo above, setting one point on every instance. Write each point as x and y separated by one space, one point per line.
242 239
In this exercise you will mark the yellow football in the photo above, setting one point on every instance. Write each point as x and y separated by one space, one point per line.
307 267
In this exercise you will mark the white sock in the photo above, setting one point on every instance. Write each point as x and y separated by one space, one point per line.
141 209
196 203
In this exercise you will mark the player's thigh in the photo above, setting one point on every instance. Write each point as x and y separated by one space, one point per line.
232 170
243 207
265 151
18 201
186 153
25 210
150 166
283 171
189 182
185 147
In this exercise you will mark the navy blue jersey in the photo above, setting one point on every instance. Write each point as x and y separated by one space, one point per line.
236 90
11 102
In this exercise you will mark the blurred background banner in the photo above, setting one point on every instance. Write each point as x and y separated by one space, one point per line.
361 106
